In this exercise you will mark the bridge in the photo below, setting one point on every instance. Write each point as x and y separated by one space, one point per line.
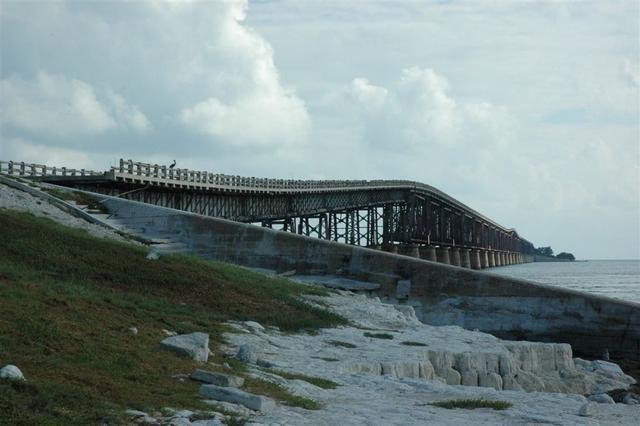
399 216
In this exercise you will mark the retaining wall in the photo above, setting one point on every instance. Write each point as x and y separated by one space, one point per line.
441 294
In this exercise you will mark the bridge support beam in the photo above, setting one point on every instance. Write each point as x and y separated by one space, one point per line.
455 256
484 259
413 250
466 258
476 262
443 255
498 258
491 259
429 253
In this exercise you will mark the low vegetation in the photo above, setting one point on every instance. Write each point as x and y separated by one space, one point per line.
378 335
316 381
278 392
67 300
342 344
470 404
411 343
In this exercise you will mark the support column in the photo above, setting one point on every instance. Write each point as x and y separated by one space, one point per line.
443 255
466 258
413 251
484 258
429 253
476 263
491 258
498 256
455 256
394 249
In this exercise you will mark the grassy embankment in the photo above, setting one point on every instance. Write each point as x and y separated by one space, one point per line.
67 300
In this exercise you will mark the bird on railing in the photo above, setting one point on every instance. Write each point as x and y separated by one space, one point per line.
173 164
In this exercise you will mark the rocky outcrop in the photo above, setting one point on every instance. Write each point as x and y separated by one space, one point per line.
11 372
194 345
236 396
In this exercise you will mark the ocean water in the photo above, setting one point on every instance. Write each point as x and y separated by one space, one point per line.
614 278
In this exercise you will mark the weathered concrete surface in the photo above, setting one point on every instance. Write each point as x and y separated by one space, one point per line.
441 294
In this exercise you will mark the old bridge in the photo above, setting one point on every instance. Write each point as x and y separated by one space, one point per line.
400 216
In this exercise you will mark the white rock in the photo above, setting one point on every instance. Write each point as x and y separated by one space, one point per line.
588 410
135 413
11 372
236 409
247 354
218 379
183 413
146 420
630 400
133 330
607 368
169 333
254 326
193 345
601 398
236 396
179 421
208 422
153 255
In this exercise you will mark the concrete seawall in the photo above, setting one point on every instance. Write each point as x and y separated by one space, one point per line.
441 294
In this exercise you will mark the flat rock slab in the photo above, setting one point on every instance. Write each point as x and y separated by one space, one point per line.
338 283
217 379
236 396
11 372
194 345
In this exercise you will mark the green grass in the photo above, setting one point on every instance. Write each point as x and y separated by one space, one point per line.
342 344
274 390
378 335
78 197
316 381
470 404
411 343
67 299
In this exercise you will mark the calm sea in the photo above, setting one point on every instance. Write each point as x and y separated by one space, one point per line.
613 278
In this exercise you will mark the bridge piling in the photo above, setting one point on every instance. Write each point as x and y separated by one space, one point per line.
466 258
455 256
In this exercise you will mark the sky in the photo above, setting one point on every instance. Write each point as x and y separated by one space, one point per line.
526 111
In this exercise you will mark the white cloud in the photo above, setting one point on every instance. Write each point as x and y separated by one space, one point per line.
253 108
418 111
55 105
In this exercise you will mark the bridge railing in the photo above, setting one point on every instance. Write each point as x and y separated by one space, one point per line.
13 168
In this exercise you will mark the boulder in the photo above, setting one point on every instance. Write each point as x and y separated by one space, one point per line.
218 379
247 354
133 330
254 326
11 372
601 398
153 255
236 396
607 368
135 413
588 410
179 421
208 422
194 345
629 399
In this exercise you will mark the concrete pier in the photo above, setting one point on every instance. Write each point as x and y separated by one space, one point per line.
491 259
429 253
498 256
476 263
394 249
455 256
443 255
484 259
466 258
413 250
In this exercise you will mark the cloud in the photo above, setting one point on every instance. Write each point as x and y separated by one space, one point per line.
258 110
56 105
418 111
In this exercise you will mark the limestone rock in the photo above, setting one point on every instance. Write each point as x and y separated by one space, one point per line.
254 326
601 398
135 413
588 410
629 399
236 396
194 345
169 333
607 368
133 330
218 379
153 255
11 372
247 354
490 380
179 421
183 413
208 422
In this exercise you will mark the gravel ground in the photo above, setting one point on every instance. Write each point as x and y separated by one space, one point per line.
14 199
